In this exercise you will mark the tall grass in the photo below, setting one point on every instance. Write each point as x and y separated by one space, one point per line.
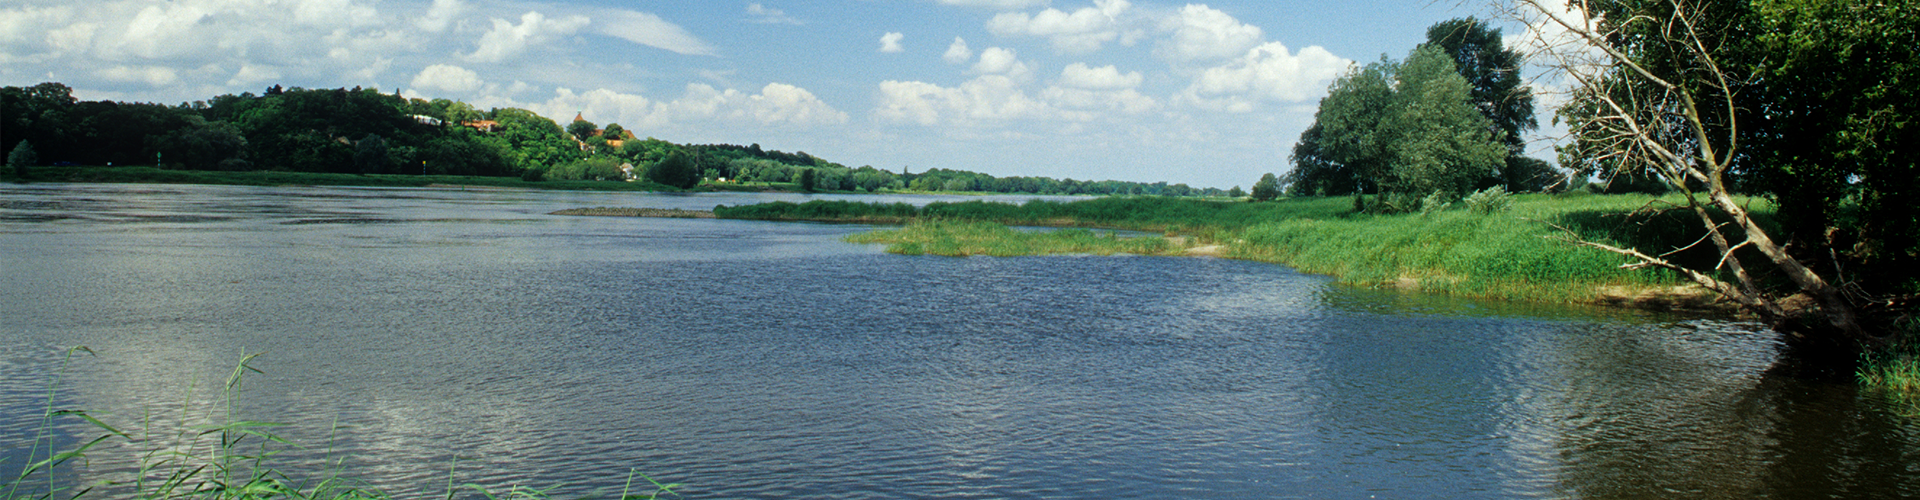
1515 253
966 238
224 458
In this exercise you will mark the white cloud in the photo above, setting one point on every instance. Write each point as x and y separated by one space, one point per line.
957 52
997 4
1082 31
507 40
1201 33
1127 101
762 14
649 30
151 75
1001 61
1265 73
250 74
777 104
986 98
440 15
1078 75
890 42
447 78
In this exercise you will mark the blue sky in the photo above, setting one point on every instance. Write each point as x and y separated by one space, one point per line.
1211 95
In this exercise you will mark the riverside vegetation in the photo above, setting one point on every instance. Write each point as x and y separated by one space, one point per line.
224 457
1508 254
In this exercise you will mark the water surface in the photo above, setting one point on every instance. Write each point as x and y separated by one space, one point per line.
768 360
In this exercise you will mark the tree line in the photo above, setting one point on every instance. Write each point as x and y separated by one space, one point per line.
365 131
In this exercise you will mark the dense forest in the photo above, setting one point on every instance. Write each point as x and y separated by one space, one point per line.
364 131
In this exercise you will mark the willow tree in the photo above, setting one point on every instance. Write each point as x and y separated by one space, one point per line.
1683 90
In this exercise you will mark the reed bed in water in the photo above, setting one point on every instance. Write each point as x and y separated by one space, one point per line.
223 458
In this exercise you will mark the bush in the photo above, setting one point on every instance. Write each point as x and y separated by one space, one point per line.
1489 200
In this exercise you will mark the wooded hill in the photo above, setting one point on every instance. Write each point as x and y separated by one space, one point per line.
364 131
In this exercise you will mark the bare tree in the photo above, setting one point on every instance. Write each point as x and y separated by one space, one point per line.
1677 117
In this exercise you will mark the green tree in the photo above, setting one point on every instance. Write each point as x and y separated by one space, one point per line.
1493 75
1812 102
1267 188
581 129
1403 129
370 155
21 158
676 170
1236 192
807 179
614 132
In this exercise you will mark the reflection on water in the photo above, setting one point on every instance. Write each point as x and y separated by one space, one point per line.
764 360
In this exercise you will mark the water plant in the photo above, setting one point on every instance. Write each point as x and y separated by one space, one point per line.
226 458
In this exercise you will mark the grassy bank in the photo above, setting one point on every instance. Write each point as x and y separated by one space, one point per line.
1507 255
964 238
151 175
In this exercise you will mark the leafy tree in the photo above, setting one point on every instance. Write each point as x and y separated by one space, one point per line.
1406 129
21 158
614 132
676 170
203 145
1236 192
1267 188
1811 102
581 129
1493 75
370 155
807 179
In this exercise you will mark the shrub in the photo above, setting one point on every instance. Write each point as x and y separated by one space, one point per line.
1489 200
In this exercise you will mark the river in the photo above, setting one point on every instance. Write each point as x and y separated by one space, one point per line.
410 331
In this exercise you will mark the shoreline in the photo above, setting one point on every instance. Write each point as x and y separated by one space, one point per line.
1683 297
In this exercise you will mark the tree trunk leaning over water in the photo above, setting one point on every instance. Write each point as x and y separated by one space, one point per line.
1673 111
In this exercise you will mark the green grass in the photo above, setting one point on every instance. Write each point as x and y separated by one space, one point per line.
966 238
222 458
1513 254
151 175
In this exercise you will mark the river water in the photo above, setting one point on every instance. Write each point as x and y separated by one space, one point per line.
408 331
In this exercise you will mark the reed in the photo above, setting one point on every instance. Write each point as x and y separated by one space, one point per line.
225 458
967 238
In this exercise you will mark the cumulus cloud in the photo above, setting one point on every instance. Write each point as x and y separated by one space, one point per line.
997 4
762 14
1001 61
1268 72
986 98
957 52
448 78
777 104
1082 31
150 75
440 15
1202 33
507 40
890 43
1078 75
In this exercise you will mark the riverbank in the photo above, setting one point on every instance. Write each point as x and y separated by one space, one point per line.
1517 254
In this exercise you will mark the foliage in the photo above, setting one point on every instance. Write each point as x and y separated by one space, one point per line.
370 155
1489 200
1808 102
1492 71
21 157
962 239
676 170
1267 188
807 179
1236 192
581 129
1391 127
